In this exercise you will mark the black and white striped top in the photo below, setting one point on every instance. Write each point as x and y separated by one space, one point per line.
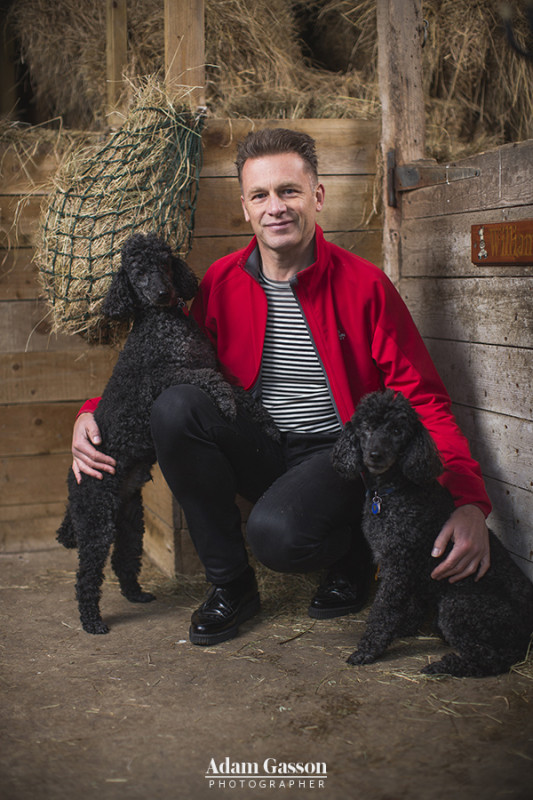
293 383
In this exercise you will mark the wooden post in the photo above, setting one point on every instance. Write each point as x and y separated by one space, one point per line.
116 54
185 47
399 27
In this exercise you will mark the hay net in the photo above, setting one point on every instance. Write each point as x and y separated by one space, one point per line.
144 177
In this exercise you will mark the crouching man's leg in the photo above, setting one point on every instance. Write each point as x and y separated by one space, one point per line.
206 461
309 520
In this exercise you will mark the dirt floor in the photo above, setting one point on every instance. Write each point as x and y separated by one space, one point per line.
141 713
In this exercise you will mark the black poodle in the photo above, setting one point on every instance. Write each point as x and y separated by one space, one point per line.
488 621
165 347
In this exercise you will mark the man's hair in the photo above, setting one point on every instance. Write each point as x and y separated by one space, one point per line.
271 141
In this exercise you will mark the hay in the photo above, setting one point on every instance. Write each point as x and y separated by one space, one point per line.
306 58
144 177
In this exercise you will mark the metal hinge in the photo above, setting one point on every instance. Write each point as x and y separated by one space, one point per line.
406 177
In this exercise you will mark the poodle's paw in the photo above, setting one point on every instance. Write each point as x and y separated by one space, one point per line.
450 664
139 597
435 668
359 657
97 626
459 667
225 402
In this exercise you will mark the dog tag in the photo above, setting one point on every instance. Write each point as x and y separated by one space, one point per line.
376 504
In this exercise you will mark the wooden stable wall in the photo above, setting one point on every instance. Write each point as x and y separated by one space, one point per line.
44 378
478 324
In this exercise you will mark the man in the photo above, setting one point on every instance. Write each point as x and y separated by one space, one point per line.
310 328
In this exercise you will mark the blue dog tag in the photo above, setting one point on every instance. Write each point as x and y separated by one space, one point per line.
376 504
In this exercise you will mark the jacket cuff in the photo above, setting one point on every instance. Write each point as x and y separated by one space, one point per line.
467 490
89 407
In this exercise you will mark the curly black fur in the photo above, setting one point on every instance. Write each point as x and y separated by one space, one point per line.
489 622
165 347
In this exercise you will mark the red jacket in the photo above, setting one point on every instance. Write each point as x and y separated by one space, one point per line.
363 334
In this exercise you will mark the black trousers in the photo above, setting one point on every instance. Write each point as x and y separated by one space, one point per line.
305 516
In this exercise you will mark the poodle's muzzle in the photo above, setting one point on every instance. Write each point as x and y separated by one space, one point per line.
378 454
156 289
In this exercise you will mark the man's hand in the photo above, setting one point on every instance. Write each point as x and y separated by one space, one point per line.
467 529
86 458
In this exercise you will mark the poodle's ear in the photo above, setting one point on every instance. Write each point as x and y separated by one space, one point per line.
421 462
119 302
346 456
184 279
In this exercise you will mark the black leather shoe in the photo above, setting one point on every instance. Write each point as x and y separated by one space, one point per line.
336 597
224 609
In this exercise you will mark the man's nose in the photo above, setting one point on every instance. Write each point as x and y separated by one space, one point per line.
275 205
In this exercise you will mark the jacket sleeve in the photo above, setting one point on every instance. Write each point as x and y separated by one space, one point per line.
406 366
89 407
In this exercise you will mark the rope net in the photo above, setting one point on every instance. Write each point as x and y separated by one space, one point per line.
143 178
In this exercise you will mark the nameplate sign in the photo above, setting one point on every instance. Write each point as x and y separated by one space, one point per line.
503 243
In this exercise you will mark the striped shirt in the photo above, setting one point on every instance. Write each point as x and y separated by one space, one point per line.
293 383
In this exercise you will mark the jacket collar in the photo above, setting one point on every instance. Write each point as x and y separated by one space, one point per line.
250 260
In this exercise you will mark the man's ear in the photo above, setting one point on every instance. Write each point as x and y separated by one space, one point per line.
320 194
245 212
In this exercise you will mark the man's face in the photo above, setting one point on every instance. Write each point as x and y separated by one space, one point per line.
280 200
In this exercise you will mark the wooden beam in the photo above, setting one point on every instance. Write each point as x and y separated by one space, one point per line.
116 53
400 30
185 48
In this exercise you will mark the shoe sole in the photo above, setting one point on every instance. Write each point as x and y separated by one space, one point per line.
247 611
331 613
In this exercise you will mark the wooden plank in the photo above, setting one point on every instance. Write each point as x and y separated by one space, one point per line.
440 246
158 497
158 543
219 211
488 377
36 428
344 146
399 27
506 180
116 49
401 94
49 377
30 526
185 47
502 445
473 310
35 479
348 204
25 327
18 275
511 520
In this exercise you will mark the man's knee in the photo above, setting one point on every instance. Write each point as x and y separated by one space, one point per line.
270 537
